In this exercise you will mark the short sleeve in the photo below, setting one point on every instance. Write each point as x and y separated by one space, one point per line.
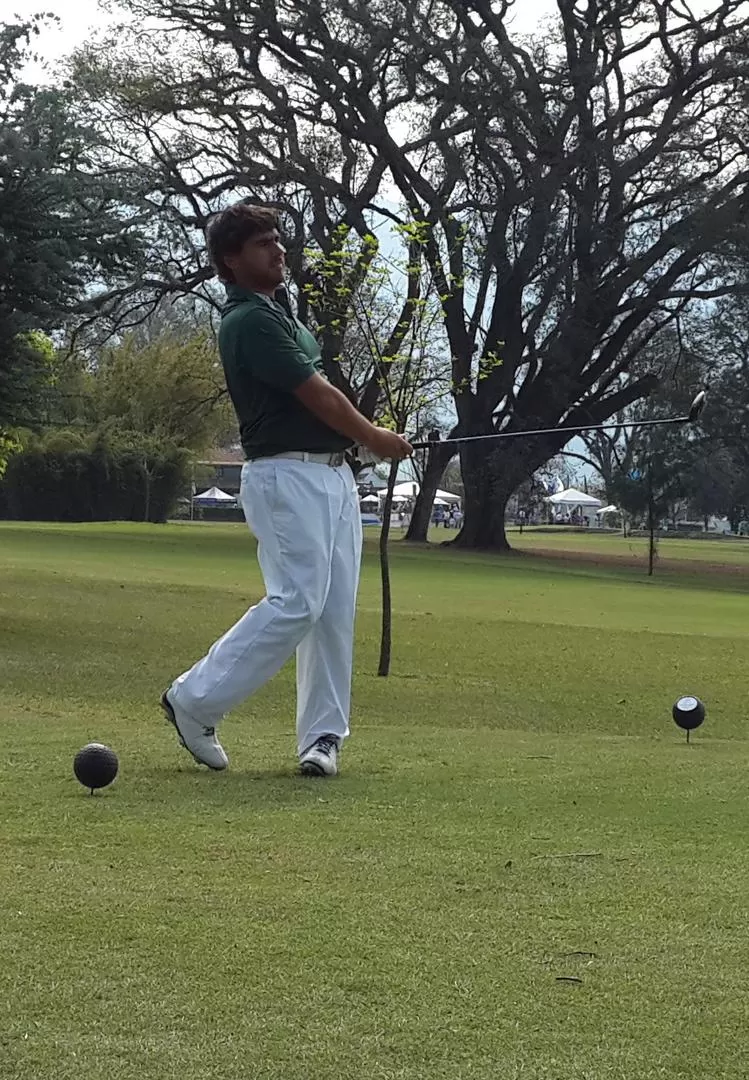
267 349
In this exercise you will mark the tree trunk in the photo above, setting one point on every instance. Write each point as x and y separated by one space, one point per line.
489 483
651 527
387 607
422 512
484 525
147 509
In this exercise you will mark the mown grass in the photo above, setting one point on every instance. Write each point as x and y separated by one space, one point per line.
515 808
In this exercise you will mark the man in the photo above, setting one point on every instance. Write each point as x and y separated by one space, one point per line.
299 499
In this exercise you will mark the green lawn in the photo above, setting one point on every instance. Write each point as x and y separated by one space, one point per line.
516 808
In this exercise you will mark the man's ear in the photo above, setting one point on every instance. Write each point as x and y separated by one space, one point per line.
231 261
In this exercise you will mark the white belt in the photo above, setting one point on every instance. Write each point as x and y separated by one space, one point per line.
335 460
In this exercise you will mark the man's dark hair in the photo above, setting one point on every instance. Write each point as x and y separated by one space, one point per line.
229 229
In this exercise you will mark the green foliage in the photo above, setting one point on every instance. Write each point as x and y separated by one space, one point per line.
698 471
490 361
26 375
417 232
65 476
662 464
719 474
26 372
168 389
9 445
66 220
379 337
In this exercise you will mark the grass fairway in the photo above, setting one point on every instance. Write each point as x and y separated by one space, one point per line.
523 873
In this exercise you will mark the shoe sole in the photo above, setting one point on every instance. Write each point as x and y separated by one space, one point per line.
169 714
311 768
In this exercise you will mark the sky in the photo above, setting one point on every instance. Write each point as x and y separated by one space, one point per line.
79 18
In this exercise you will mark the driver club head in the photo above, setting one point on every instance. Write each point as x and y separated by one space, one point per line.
697 406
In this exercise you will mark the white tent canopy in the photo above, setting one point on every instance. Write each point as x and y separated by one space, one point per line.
370 499
410 489
573 497
214 494
608 510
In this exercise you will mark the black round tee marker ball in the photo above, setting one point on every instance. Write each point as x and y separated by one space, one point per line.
688 713
95 766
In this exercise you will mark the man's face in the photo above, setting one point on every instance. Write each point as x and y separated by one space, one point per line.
261 263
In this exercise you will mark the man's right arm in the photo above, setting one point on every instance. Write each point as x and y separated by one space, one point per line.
268 350
334 409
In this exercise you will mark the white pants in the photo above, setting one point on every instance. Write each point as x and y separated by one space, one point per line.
307 522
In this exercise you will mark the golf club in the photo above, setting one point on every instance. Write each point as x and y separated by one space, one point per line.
691 417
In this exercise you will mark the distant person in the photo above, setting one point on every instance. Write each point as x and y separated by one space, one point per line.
300 500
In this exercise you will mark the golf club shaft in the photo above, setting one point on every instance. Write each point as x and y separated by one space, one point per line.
550 431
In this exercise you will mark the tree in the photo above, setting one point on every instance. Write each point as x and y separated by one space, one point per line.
711 484
26 371
65 222
169 389
712 464
681 368
377 323
718 482
66 475
573 193
395 354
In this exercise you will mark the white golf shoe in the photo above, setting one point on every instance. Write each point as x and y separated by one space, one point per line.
320 759
199 739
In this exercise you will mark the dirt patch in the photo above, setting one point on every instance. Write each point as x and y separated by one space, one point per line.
638 562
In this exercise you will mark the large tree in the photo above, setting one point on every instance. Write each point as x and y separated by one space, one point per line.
718 480
169 388
65 221
708 470
681 369
572 192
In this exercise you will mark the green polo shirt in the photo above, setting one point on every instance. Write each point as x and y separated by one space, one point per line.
266 356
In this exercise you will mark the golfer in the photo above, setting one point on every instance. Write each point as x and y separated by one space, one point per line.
300 500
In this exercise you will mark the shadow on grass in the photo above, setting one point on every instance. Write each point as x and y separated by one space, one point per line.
156 784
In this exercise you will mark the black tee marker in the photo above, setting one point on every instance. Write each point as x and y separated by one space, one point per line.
688 713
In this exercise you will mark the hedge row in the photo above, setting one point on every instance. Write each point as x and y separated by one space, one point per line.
103 484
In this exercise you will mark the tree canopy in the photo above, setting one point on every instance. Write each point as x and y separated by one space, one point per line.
67 219
571 192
